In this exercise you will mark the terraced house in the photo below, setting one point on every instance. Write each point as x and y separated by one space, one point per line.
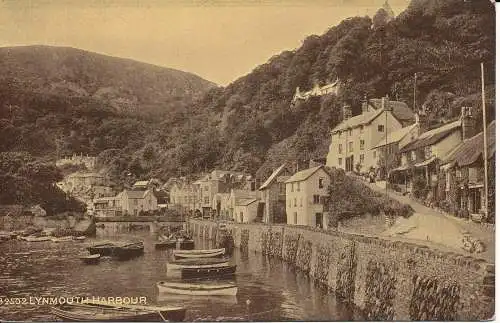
305 194
354 138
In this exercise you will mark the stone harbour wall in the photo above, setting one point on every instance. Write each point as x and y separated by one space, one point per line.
387 280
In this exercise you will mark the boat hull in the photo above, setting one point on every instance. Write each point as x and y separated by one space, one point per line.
103 313
91 260
208 272
206 255
103 250
198 290
183 245
128 252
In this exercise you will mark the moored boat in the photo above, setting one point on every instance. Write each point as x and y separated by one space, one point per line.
104 249
35 239
201 253
91 259
172 244
199 289
91 312
62 239
128 250
208 272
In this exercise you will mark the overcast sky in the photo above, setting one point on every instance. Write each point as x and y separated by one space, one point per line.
218 40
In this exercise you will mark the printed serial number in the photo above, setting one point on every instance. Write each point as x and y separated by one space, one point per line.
14 301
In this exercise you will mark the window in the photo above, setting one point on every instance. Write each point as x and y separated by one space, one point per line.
282 188
380 128
350 147
298 186
361 144
291 185
374 154
340 161
340 148
300 202
413 155
350 132
320 182
136 201
206 200
361 158
316 199
361 129
295 202
206 188
294 217
428 152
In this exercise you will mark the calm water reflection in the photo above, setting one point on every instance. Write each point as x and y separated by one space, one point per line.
274 289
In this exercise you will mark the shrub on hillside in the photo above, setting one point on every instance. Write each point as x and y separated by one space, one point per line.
348 197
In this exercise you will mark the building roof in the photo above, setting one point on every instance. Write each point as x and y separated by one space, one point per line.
245 201
395 136
273 176
358 120
470 150
399 109
303 174
239 194
135 194
433 136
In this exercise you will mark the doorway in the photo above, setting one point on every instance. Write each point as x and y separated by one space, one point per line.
319 220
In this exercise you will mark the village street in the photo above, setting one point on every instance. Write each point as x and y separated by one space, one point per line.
438 230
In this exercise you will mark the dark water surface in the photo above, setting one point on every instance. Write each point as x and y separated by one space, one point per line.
273 289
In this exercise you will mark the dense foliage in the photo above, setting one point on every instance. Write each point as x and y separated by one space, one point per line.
140 126
27 181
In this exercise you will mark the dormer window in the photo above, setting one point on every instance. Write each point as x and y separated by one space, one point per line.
350 132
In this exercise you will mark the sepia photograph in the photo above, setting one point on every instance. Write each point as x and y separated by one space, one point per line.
247 160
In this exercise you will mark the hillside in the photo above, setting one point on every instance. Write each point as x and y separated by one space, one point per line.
250 124
123 84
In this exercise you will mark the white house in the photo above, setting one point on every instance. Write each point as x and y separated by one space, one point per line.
353 139
243 205
305 193
133 202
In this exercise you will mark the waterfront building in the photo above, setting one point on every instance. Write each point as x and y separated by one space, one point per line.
353 139
243 205
184 196
305 194
421 157
462 183
273 196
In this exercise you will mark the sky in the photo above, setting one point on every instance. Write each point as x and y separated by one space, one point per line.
219 40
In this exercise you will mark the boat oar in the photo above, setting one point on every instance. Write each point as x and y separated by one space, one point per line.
162 317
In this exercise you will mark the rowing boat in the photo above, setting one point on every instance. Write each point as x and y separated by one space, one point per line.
104 249
200 289
171 244
202 253
62 239
128 251
91 312
91 259
208 272
36 239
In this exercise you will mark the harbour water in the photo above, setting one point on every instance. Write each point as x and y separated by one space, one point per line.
268 289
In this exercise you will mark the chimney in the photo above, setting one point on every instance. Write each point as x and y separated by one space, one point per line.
364 105
347 112
467 123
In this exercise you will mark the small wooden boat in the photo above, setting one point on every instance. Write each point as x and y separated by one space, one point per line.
212 289
202 253
172 244
128 251
104 249
212 271
196 263
36 239
91 259
62 239
91 312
